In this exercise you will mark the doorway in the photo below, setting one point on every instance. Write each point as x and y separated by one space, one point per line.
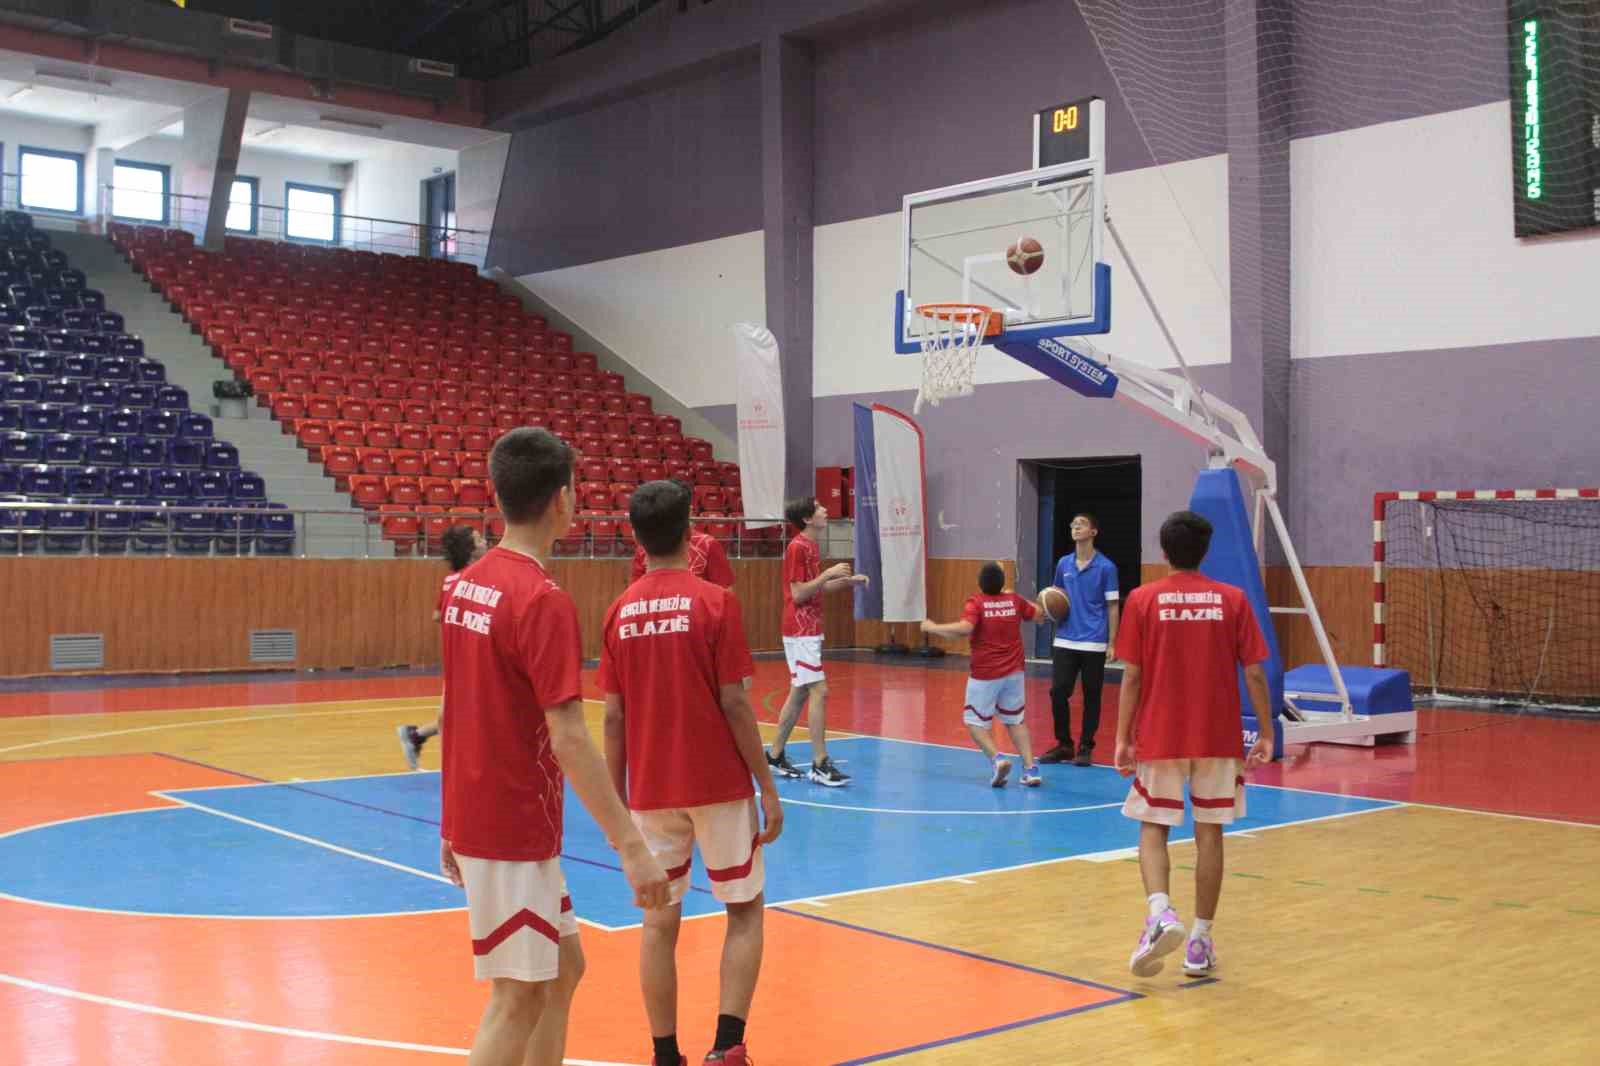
439 216
1107 487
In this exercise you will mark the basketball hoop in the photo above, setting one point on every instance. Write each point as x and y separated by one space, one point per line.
950 335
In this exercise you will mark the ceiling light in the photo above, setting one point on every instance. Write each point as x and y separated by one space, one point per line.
350 123
262 134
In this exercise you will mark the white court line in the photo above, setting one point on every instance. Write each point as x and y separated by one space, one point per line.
254 1027
186 725
964 880
897 810
174 792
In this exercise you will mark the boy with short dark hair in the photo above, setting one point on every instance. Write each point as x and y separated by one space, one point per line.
1182 642
682 745
512 660
995 685
463 546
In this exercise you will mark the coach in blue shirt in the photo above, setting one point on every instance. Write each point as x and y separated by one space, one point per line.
1090 581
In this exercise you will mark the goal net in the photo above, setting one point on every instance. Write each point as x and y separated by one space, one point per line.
1491 595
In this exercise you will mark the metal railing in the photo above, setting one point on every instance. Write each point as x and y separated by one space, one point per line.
159 528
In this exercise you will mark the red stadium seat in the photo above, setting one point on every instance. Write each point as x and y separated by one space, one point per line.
445 439
403 490
369 492
473 465
477 440
471 492
438 491
407 462
375 461
414 437
441 464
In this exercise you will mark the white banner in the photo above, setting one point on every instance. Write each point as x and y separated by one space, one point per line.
891 516
760 416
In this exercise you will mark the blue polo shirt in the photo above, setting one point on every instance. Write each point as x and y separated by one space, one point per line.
1090 591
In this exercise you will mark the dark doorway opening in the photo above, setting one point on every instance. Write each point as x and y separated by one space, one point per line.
439 215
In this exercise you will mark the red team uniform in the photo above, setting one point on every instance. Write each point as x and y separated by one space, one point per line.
511 650
707 559
1189 635
802 622
672 640
995 686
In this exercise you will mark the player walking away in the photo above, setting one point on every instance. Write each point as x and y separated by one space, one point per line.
672 668
804 583
1178 721
1090 581
512 658
993 619
707 558
463 545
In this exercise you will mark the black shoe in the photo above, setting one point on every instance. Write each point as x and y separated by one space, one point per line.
782 767
410 744
825 773
1085 756
1059 753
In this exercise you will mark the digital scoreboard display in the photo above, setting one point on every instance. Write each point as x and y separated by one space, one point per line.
1554 48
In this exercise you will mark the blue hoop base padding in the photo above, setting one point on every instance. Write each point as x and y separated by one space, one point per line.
1232 558
1372 690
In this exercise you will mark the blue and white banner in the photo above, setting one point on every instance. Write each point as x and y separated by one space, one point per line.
891 516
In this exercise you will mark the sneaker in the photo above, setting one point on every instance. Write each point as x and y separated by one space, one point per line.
1002 770
737 1055
1162 935
782 767
1199 957
1085 756
682 1061
1030 777
825 773
410 744
1059 753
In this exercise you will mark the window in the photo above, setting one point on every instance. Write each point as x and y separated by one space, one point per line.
311 213
139 191
51 180
242 201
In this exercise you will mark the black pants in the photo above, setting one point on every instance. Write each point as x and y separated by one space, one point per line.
1066 665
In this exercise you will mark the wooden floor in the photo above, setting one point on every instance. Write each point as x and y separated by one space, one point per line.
1411 931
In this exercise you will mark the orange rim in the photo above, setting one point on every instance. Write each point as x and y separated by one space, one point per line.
968 314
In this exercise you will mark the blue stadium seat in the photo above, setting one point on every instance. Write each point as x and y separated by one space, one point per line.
160 423
86 481
128 482
116 368
94 344
277 531
42 481
236 532
20 390
151 524
65 530
100 394
78 365
121 422
147 451
63 450
212 487
72 279
22 448
41 319
11 316
152 371
62 340
247 487
220 455
196 530
108 321
42 419
131 347
86 421
55 259
10 419
22 337
107 451
140 396
111 528
8 480
186 453
78 319
17 524
64 391
10 362
194 427
172 398
58 299
169 484
38 276
19 293
92 300
41 364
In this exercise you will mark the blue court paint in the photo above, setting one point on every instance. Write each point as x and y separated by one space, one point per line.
188 861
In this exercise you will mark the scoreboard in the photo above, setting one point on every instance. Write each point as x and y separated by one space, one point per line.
1554 49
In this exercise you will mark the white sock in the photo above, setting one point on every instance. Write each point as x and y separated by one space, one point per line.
1158 903
1202 928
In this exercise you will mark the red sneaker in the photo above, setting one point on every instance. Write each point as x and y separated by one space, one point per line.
737 1055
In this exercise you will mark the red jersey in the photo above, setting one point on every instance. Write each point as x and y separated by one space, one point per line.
511 650
672 640
802 561
444 592
996 633
707 559
1189 635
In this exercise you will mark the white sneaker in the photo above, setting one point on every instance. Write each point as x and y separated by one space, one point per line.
1002 770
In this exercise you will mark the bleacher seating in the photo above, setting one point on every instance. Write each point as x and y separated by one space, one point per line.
396 374
87 418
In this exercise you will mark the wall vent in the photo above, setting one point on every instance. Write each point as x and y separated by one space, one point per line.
77 651
273 646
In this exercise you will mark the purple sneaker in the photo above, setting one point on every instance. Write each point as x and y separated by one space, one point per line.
1199 957
1162 935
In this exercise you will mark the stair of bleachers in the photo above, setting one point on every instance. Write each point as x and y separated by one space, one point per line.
88 418
397 373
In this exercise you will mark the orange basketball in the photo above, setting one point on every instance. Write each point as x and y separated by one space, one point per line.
1056 604
1026 256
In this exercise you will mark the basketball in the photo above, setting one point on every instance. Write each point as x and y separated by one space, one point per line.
1056 604
1026 256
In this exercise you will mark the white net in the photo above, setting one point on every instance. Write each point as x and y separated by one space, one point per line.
950 335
